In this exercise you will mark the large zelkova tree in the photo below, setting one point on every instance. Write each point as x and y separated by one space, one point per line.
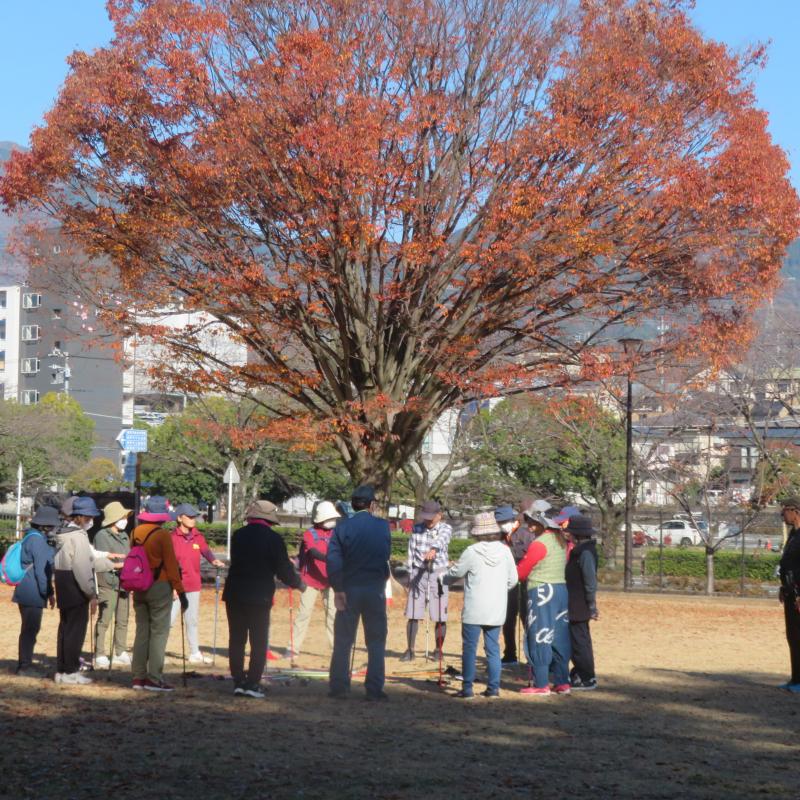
397 204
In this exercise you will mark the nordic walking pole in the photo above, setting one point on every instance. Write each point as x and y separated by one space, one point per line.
114 626
183 648
428 568
216 616
440 589
291 625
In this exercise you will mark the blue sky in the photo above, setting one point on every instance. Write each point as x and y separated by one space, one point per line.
36 36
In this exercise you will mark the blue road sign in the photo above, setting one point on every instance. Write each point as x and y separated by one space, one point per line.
133 440
129 474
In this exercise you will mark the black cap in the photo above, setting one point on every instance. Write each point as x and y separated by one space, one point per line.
365 493
580 526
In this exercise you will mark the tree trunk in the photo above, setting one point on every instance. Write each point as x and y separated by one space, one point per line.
709 570
609 522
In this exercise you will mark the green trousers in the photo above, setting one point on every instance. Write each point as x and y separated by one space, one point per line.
152 610
106 608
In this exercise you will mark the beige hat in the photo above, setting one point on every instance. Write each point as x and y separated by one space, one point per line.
114 512
484 524
262 509
325 511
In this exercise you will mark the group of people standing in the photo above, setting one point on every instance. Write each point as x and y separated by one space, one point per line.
527 571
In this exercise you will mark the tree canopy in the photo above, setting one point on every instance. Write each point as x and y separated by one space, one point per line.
399 205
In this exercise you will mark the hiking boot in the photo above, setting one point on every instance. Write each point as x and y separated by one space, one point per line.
408 656
487 693
374 697
101 662
156 686
562 688
258 692
583 686
462 695
121 660
536 691
198 658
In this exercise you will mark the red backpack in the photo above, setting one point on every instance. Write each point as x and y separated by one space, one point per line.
136 574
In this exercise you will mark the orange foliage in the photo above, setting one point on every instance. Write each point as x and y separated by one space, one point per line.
399 204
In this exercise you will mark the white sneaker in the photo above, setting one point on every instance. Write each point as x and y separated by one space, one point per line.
58 676
67 677
81 679
101 662
254 691
122 660
198 658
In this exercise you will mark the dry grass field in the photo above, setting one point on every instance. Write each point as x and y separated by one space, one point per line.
687 708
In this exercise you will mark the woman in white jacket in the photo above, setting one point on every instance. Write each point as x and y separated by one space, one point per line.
488 570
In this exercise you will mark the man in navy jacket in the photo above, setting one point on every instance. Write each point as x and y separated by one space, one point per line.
358 567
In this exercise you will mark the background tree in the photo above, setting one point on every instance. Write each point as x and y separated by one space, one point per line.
397 205
50 439
189 452
98 475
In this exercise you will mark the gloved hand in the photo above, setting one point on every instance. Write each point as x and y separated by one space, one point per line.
184 600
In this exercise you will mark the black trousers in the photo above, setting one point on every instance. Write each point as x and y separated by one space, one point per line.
31 617
247 621
72 627
792 618
582 652
517 607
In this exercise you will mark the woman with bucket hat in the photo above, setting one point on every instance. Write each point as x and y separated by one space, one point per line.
581 577
314 572
35 590
189 546
75 588
547 632
112 602
488 570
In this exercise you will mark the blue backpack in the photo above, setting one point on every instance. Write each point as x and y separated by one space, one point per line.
11 570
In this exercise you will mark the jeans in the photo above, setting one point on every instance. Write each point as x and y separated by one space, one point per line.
152 631
107 607
470 636
31 618
548 634
190 617
247 621
367 603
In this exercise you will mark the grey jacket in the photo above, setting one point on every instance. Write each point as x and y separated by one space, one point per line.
73 555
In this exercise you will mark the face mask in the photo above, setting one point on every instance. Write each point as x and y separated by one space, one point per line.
88 524
121 524
508 527
329 524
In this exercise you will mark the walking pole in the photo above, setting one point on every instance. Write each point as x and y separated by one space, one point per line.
291 626
353 653
114 626
440 589
428 568
216 616
183 648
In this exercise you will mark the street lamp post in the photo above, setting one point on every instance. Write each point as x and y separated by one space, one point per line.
631 347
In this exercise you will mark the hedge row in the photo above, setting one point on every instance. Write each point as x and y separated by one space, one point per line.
692 564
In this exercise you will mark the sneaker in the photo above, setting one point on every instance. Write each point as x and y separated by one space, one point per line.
408 656
509 661
584 686
337 695
562 688
272 656
794 688
156 686
198 658
238 691
138 684
122 660
536 691
102 662
254 691
462 695
58 677
487 693
289 653
374 697
81 680
435 655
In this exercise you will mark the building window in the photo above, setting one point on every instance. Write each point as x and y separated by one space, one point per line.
3 298
31 300
2 329
56 313
2 359
30 397
30 366
56 249
30 333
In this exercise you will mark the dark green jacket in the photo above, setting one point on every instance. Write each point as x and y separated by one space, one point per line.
109 540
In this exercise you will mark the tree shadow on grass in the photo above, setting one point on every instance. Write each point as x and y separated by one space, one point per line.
679 735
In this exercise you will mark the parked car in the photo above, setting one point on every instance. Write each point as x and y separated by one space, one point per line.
680 531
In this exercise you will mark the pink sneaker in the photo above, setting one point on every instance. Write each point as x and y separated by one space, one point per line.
562 688
536 691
